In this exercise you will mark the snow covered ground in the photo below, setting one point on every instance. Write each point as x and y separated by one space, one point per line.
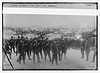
73 61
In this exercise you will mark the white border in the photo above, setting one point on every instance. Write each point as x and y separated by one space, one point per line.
98 13
50 11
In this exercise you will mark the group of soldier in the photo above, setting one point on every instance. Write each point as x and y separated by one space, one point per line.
87 45
41 47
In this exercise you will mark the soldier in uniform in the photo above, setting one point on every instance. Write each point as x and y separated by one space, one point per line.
16 43
82 47
87 48
47 49
21 51
59 49
94 47
40 46
35 50
63 47
27 47
12 44
54 53
7 49
94 55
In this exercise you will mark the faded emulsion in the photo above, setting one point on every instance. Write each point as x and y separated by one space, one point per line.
60 5
50 42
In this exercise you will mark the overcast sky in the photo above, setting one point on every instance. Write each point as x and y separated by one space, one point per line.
29 20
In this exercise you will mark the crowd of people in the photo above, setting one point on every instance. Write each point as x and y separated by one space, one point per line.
42 47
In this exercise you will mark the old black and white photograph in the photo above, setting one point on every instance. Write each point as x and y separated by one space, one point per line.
43 41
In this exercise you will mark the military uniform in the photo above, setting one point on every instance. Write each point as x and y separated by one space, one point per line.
12 44
21 52
82 48
59 49
95 53
7 49
35 49
40 46
27 48
47 50
16 43
63 47
54 53
87 48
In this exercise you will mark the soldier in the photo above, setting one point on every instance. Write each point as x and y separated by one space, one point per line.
54 53
7 49
87 48
47 49
59 49
27 47
94 47
35 50
94 55
63 47
40 46
21 51
12 44
82 47
16 43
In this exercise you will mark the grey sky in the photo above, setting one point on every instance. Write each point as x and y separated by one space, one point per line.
29 20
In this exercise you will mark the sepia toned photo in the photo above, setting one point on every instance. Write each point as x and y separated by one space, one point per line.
49 42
